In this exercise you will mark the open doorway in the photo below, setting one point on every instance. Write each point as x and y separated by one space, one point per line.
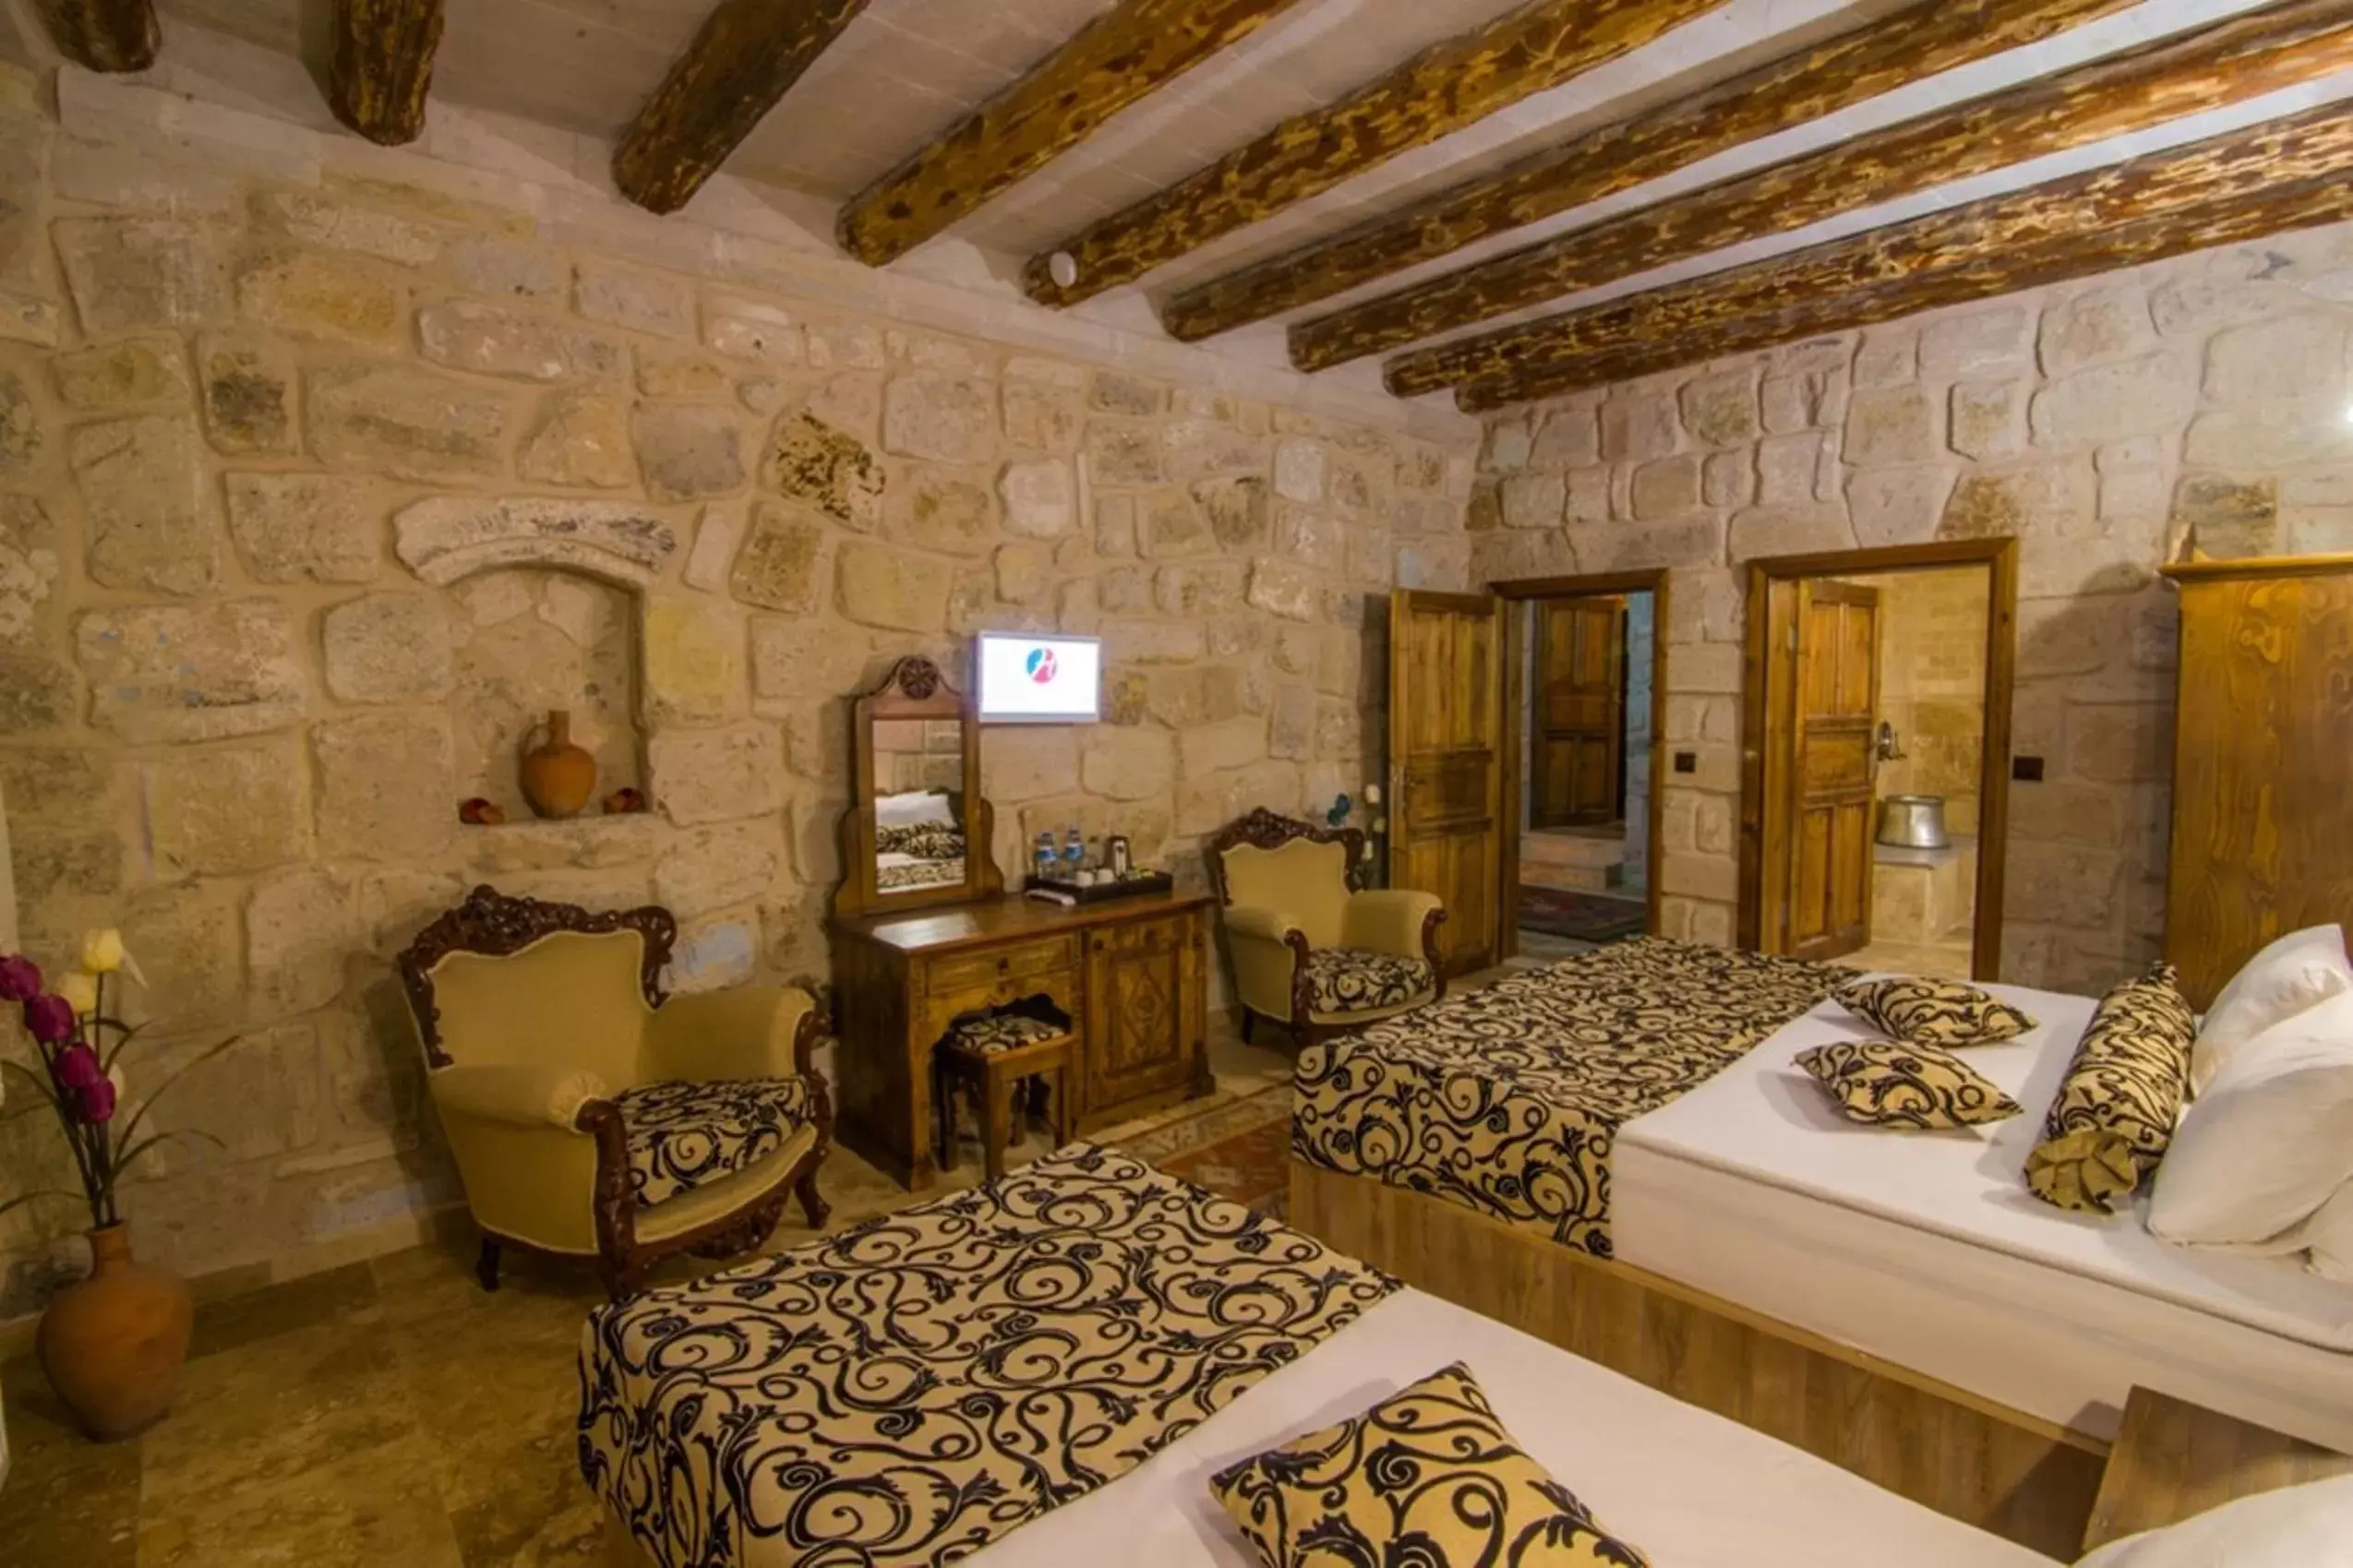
1878 683
1584 656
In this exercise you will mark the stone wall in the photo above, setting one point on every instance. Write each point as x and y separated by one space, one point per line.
319 484
1932 685
2100 423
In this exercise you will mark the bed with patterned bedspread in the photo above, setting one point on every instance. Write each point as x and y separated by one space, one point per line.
917 1386
1507 1098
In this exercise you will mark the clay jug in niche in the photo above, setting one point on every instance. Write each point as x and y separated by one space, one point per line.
558 777
112 1346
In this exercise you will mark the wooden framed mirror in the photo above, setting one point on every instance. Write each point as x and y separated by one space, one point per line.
920 833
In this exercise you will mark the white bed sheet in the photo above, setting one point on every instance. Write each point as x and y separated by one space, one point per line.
1688 1487
1927 1248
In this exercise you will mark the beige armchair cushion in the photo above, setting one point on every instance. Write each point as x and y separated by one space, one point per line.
685 1135
1348 980
1306 881
570 999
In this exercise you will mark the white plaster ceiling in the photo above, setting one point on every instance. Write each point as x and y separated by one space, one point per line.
905 69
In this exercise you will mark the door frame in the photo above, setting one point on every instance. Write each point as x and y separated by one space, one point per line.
1999 558
1515 592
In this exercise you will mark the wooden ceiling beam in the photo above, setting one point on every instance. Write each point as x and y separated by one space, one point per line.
1118 59
1806 84
2227 62
2290 173
2232 220
381 69
1446 88
741 64
104 35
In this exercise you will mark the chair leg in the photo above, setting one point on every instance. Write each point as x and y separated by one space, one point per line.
811 1203
1248 1018
485 1268
996 1132
1061 1104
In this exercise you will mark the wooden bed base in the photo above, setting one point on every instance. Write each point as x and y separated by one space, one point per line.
2014 1475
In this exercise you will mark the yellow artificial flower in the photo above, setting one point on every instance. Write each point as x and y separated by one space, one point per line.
81 992
102 953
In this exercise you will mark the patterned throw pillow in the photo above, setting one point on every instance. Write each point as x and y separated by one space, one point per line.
1891 1085
2117 1104
1932 1013
1427 1476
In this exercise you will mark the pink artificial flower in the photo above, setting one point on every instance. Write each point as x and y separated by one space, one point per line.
50 1018
76 1067
20 978
98 1101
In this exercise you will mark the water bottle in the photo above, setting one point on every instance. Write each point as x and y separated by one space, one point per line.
1073 850
1043 858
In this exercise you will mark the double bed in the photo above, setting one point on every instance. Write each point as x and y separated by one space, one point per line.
1725 1199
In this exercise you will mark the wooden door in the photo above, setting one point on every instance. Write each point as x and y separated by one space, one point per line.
1445 764
1579 719
2259 843
1834 764
1145 1024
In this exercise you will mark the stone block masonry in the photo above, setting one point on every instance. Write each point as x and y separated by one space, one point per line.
2108 425
319 483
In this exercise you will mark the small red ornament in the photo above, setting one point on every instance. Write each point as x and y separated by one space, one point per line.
481 813
623 802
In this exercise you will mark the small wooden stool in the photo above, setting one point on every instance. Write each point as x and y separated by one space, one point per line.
993 1056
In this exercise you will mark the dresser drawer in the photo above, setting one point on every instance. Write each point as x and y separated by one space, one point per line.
1015 961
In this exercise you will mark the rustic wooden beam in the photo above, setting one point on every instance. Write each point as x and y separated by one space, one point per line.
1446 86
741 64
1806 84
104 35
2230 62
2286 173
381 70
1115 60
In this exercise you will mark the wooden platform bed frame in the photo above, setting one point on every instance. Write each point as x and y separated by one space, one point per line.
2049 1489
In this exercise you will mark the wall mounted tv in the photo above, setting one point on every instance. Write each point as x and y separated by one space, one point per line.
1024 679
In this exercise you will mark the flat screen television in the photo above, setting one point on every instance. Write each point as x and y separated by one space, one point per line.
1027 679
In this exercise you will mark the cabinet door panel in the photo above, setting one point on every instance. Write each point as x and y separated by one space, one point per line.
1143 1009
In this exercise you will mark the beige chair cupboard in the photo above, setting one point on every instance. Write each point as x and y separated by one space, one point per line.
1312 950
592 1118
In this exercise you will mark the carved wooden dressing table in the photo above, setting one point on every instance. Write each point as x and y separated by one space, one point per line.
914 950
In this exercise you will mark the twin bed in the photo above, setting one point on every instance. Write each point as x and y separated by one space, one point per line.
1072 1351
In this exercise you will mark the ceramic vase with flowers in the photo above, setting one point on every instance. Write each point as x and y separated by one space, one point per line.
113 1345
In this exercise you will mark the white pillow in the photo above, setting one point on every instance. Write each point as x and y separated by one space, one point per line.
914 808
2270 1140
2328 1237
2300 1527
2298 970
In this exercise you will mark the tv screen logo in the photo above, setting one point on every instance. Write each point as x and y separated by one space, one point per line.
1041 665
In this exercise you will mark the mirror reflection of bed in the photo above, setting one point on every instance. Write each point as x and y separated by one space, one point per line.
918 840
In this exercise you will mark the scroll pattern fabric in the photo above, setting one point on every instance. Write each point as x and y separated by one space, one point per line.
1889 1084
914 1388
683 1135
1426 1478
1933 1012
1347 979
1507 1099
2114 1116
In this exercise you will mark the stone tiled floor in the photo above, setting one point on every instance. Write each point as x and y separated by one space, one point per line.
390 1414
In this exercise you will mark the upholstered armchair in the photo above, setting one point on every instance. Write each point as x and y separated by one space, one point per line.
592 1118
1310 948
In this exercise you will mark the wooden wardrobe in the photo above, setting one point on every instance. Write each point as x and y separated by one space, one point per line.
2262 761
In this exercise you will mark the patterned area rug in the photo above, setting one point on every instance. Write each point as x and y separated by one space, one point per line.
1583 916
1238 1150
